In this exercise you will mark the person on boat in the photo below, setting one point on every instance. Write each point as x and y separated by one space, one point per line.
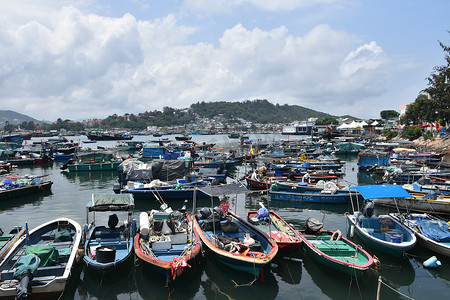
291 176
254 176
113 221
368 209
306 178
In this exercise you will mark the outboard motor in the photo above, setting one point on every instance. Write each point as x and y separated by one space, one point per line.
26 268
368 209
313 226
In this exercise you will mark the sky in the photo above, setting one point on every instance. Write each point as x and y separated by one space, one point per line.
89 59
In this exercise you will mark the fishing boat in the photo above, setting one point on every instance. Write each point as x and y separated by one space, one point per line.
108 136
7 240
381 232
166 241
40 263
233 241
431 231
333 250
322 192
108 247
94 161
277 228
14 187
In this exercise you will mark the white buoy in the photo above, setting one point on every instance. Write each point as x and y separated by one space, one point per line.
144 224
352 230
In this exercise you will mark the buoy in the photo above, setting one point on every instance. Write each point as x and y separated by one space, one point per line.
144 224
432 262
352 230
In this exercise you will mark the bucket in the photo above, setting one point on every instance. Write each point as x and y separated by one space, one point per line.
105 254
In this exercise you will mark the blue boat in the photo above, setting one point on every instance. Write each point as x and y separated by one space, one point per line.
302 192
382 232
106 248
235 242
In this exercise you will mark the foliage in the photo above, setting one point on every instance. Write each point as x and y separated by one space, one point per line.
421 110
389 134
327 121
412 132
256 111
439 88
389 114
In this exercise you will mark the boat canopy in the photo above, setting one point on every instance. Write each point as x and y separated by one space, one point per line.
111 202
381 191
226 189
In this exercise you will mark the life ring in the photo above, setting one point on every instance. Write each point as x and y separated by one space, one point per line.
336 235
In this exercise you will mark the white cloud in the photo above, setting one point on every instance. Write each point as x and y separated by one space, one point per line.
226 6
76 65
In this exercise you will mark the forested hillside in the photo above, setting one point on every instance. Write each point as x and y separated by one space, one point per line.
257 111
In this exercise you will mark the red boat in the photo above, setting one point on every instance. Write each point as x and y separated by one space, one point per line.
286 237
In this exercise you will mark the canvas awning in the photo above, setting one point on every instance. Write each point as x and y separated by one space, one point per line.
381 191
225 189
110 202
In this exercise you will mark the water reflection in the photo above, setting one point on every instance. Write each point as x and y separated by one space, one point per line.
222 282
289 269
33 200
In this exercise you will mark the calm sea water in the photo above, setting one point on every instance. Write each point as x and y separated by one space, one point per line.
296 277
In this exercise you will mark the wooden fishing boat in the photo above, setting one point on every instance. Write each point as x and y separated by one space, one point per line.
381 232
277 228
17 187
235 242
95 161
431 232
40 263
328 192
166 242
108 247
7 240
336 253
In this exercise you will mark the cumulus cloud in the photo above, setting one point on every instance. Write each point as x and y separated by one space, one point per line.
76 65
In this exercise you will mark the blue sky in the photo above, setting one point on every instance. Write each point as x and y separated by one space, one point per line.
90 59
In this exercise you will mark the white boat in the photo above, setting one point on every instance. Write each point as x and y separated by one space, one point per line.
45 275
381 232
431 232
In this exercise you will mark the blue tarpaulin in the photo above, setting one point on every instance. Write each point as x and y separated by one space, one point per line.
381 191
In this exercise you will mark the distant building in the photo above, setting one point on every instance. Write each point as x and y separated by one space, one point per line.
403 107
303 128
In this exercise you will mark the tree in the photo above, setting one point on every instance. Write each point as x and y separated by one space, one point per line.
389 114
421 110
439 88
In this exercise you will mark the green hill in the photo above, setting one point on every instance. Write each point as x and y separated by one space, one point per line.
257 111
13 118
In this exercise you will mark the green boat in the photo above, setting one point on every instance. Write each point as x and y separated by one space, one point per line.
96 161
336 252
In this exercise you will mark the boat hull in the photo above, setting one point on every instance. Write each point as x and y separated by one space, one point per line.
163 262
26 190
341 255
370 232
48 280
249 264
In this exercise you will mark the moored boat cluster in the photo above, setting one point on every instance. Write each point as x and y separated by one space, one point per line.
170 240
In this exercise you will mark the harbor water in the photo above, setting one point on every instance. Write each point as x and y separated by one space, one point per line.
292 277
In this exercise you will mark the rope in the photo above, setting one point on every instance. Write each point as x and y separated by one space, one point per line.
398 292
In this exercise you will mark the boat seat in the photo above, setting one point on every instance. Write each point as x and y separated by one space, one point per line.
332 247
56 270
